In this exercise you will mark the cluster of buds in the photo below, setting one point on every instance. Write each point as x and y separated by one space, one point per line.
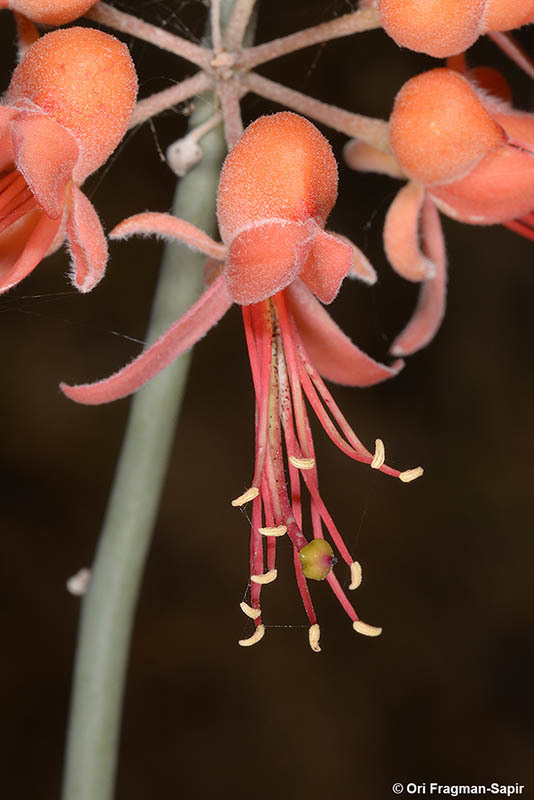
453 136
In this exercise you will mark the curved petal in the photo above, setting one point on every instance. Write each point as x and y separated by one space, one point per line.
152 223
361 266
46 154
333 354
401 234
430 308
329 260
499 189
87 243
265 258
183 334
23 245
6 145
366 158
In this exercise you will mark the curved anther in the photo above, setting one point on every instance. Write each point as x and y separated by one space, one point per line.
266 577
253 613
379 456
365 629
257 636
279 530
302 463
246 497
314 635
355 575
410 475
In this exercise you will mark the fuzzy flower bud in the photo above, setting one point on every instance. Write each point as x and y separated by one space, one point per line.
65 111
85 80
443 28
49 12
436 141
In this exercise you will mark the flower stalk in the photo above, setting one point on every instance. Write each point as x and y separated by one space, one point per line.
109 605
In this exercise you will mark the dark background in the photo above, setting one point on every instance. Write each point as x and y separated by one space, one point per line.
446 693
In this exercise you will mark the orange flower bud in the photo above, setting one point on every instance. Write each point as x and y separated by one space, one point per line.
281 168
439 129
444 28
66 109
85 80
504 15
51 12
438 27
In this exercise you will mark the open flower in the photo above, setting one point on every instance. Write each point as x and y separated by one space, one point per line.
66 109
465 152
276 190
444 28
51 12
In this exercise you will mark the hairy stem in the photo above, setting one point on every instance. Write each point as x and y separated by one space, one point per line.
109 606
365 19
235 30
167 98
127 23
373 131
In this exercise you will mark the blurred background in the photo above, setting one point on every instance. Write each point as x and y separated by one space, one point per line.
445 694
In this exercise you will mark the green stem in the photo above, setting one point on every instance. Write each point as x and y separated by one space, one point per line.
109 605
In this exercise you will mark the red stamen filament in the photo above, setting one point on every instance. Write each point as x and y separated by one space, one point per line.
15 199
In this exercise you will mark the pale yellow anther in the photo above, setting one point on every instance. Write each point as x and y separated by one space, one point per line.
253 613
267 577
257 636
355 574
365 629
302 463
246 497
380 454
411 474
314 634
278 531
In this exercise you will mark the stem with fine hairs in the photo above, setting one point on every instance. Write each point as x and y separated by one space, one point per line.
108 608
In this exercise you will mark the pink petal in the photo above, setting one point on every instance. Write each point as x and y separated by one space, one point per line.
361 266
499 189
265 258
330 259
6 145
183 334
169 227
23 245
430 307
401 234
45 154
333 354
366 158
87 243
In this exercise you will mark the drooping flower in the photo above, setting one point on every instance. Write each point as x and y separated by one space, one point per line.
51 12
65 111
277 187
443 28
466 152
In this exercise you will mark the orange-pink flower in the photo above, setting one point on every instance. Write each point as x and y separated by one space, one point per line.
468 154
51 12
66 109
277 188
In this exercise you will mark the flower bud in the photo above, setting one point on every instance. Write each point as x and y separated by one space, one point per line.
439 28
439 129
53 12
83 79
317 559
